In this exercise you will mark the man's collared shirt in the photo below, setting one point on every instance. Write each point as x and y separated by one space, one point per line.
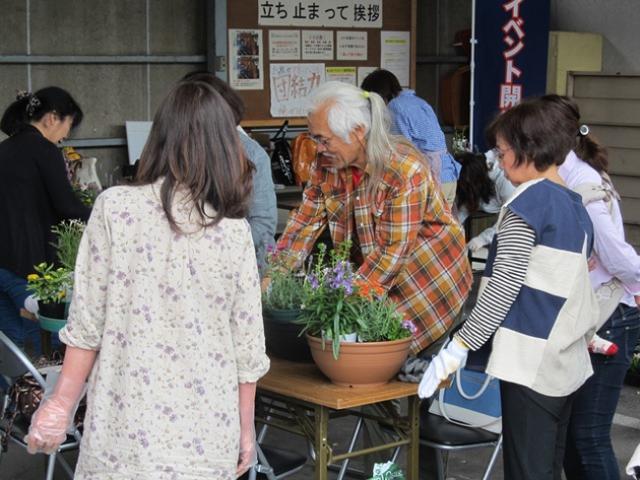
411 243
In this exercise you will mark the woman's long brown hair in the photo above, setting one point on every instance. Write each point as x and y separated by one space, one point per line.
194 145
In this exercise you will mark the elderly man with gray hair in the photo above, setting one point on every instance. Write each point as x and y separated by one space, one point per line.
376 190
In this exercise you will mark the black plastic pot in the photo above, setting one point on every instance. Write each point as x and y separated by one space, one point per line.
52 309
282 336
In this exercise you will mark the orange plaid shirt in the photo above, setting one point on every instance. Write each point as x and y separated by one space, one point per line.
411 244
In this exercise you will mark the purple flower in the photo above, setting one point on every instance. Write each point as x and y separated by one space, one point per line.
313 281
409 325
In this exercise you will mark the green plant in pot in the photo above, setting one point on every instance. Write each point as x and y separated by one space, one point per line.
356 334
52 284
282 303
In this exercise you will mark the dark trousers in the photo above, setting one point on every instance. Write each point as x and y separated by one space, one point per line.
13 292
534 428
589 454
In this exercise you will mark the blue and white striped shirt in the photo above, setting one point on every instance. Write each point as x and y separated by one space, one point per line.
414 119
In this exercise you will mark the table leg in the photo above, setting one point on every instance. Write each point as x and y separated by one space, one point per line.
321 442
414 447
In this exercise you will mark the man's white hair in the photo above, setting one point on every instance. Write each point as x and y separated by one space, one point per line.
348 107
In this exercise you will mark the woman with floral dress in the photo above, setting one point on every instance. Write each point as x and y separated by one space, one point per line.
166 317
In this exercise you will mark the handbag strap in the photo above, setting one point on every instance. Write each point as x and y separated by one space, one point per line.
472 396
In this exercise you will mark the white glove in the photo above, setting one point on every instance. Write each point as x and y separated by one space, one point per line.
475 244
634 463
450 359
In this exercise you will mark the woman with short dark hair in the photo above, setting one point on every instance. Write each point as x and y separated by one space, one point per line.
35 192
536 305
616 272
166 312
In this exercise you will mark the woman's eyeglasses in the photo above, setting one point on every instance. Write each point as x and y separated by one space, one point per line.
499 154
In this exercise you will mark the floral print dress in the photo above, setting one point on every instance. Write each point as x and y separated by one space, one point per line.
176 319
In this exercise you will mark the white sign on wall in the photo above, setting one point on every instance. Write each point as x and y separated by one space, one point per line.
284 45
317 45
291 86
351 46
325 13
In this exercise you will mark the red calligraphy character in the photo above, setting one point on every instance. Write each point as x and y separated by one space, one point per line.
510 95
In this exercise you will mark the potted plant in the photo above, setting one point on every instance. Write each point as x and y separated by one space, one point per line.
633 374
52 284
282 303
357 336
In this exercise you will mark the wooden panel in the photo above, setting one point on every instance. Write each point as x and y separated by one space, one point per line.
396 15
626 186
617 136
630 210
606 87
303 381
624 161
610 111
632 235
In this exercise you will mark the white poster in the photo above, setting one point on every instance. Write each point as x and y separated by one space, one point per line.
327 13
395 53
317 45
341 74
284 45
291 85
245 59
363 72
351 46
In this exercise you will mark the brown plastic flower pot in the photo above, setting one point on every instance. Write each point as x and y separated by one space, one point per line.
366 364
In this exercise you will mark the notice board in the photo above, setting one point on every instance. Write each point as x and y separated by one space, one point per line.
295 45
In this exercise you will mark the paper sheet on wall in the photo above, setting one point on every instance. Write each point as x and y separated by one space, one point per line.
341 74
284 45
245 59
351 46
291 86
363 72
317 45
395 54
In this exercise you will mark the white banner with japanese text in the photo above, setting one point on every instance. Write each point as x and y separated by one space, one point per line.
291 85
321 13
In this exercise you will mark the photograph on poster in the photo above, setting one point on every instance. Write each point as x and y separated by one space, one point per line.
284 45
317 45
245 59
291 85
351 45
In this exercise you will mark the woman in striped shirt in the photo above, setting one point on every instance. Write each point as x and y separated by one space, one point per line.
536 305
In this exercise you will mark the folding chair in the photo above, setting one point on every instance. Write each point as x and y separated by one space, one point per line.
437 432
274 464
13 364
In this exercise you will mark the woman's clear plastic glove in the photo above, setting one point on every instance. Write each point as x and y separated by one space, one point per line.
449 360
248 455
52 419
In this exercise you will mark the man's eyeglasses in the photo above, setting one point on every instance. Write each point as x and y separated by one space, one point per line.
320 140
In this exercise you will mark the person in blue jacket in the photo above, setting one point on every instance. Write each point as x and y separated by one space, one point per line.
414 119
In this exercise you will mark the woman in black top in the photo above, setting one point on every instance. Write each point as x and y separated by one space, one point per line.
35 193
